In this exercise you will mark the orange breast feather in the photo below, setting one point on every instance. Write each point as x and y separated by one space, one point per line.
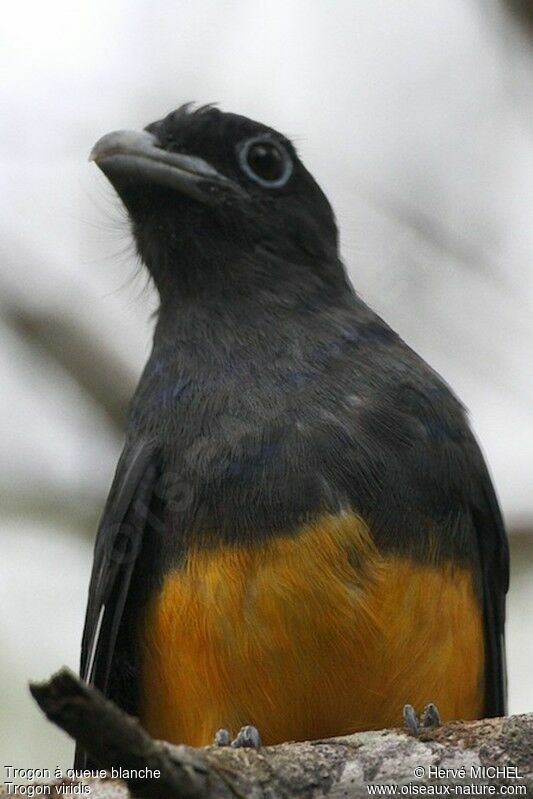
307 636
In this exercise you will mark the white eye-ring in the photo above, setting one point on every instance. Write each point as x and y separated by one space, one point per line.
265 161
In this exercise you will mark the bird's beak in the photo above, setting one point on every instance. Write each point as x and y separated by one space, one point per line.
130 159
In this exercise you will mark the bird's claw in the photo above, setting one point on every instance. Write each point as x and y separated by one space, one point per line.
247 737
430 718
411 720
222 738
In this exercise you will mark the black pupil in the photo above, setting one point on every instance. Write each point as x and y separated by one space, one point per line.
266 161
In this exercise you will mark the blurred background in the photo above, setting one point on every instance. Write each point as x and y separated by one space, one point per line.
417 120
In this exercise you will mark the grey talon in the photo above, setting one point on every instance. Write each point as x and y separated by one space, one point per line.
411 720
248 737
222 738
431 716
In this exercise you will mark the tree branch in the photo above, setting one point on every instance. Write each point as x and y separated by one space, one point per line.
115 740
334 768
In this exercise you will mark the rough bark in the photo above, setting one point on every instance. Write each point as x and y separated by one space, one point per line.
334 768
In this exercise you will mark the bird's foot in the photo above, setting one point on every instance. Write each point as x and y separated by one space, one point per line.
222 738
429 718
247 736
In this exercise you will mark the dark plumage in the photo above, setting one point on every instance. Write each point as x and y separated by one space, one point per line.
272 394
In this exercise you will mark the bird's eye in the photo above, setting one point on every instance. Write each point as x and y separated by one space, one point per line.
266 162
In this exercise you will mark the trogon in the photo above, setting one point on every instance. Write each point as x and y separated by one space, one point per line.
302 534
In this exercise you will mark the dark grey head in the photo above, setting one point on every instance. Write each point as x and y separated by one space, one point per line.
209 192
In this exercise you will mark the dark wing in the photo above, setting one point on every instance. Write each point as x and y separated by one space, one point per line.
426 445
118 543
494 560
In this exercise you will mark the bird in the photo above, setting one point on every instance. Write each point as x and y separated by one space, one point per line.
302 538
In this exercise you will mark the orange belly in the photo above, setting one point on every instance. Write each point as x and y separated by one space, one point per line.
308 636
